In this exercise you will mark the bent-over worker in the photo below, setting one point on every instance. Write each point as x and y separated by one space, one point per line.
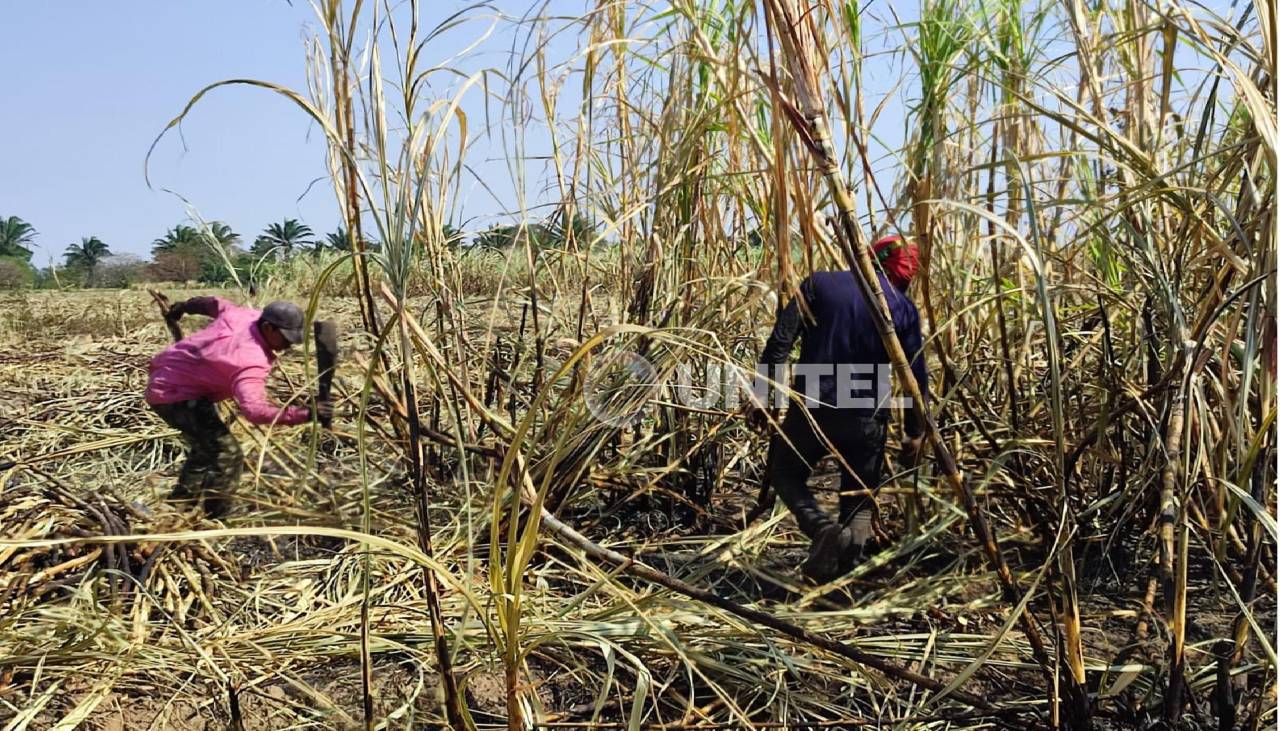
230 358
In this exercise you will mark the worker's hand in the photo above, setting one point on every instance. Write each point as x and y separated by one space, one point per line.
759 418
909 457
323 409
175 312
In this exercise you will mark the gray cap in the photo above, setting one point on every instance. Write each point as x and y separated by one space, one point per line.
287 317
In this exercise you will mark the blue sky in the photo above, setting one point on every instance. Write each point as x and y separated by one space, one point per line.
89 85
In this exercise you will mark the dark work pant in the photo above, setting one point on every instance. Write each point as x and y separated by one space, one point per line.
212 471
858 440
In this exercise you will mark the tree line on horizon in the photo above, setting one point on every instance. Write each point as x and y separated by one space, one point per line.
208 253
182 253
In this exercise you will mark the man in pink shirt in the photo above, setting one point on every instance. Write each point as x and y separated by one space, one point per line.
230 358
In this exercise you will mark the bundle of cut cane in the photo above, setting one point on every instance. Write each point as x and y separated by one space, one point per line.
146 576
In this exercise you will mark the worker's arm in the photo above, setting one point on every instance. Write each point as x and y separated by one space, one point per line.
207 306
777 351
914 418
788 327
250 391
913 346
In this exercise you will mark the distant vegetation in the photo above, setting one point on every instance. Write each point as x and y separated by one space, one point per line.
16 238
212 254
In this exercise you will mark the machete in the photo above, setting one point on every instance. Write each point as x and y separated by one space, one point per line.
326 338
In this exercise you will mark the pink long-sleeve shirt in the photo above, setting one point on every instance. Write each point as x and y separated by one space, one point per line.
227 359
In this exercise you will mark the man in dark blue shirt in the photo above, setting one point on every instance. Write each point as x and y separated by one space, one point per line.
842 378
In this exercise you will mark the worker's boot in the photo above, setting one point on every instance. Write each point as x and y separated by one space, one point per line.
829 539
216 499
182 496
859 527
810 518
182 499
224 478
829 546
191 481
216 505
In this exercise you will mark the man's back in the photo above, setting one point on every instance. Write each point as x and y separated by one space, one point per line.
208 363
839 332
842 330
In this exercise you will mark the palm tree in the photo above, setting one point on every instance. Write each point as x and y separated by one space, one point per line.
223 253
223 234
506 237
86 254
283 238
16 238
454 237
178 237
339 240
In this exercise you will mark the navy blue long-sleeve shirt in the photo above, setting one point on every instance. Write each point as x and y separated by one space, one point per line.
842 332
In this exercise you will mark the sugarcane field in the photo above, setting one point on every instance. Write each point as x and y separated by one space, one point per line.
661 365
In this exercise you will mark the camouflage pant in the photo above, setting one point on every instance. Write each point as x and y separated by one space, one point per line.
212 471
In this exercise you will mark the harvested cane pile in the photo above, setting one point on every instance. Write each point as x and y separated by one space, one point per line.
140 578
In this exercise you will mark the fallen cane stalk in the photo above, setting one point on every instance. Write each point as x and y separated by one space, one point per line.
529 495
648 573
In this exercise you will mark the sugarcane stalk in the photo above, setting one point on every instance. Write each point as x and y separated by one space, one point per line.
344 119
1011 383
422 503
1172 578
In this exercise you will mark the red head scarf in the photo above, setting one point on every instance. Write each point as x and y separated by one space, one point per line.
899 258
